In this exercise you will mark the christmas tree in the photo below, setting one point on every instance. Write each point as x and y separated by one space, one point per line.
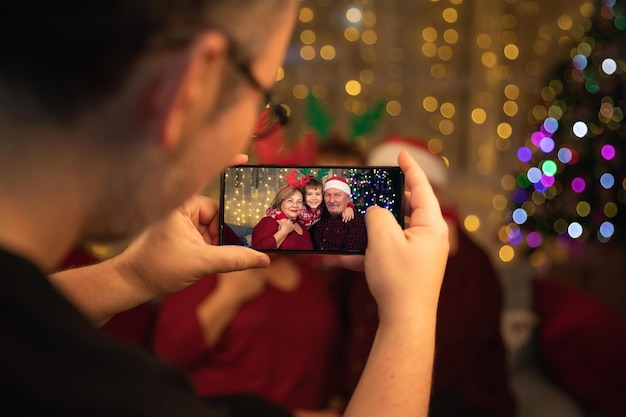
571 171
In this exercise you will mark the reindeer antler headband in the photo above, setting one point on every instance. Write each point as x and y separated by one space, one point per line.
293 181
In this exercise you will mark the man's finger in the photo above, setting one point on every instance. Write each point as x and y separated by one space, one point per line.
239 159
351 262
234 258
382 226
423 204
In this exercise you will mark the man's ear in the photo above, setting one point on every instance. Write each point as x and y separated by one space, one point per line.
191 83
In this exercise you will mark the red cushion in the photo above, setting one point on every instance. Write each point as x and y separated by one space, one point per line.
583 344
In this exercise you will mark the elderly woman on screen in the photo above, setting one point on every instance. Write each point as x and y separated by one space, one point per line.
283 232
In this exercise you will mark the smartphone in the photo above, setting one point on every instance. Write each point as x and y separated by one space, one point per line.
256 199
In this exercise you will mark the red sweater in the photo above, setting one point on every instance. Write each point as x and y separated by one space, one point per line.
263 237
280 346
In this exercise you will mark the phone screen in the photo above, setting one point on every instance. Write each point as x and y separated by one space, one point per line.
305 209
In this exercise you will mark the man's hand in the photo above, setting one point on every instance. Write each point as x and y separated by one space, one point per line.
404 271
404 268
181 249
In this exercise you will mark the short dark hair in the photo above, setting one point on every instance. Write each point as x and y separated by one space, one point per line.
340 149
61 57
313 183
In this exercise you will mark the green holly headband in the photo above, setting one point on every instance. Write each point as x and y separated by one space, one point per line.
319 119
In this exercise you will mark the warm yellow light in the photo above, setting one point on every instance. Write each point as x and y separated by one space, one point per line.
499 202
429 49
565 22
430 104
479 116
351 34
510 108
508 182
435 145
489 59
511 51
505 130
447 110
429 34
539 112
307 37
394 108
280 74
438 70
587 9
471 223
503 235
353 87
307 53
369 37
450 15
354 15
328 53
483 41
446 127
306 14
509 21
511 91
583 209
445 53
506 253
300 91
451 36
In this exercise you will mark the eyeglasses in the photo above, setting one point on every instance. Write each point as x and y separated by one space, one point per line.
275 114
291 202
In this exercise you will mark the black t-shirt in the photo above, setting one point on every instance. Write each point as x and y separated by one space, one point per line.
53 362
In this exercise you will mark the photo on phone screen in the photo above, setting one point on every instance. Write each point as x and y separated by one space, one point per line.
305 209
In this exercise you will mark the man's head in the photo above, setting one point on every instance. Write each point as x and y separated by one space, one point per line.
144 101
339 151
336 195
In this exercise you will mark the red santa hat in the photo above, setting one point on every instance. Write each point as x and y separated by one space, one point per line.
338 183
386 153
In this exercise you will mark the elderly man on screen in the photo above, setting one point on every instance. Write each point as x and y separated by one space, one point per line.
331 233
